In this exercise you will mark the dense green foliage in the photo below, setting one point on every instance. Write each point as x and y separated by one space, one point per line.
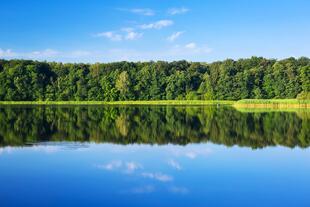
153 125
255 78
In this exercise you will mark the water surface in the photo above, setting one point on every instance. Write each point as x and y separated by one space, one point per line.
153 156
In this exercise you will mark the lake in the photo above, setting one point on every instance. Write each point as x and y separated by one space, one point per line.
153 156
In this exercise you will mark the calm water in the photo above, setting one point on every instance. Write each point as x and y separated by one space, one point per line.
153 156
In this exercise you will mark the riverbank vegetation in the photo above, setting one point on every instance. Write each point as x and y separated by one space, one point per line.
253 78
247 103
272 103
158 102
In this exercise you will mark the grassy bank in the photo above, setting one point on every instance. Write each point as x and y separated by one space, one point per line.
272 103
159 102
246 103
267 110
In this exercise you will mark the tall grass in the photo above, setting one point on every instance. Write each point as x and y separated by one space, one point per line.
272 103
245 103
157 102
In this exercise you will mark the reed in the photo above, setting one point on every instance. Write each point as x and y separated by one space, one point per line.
157 102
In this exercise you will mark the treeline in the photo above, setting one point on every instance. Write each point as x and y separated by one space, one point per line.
21 126
254 78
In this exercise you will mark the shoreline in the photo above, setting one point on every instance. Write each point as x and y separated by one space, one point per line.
245 103
159 102
272 103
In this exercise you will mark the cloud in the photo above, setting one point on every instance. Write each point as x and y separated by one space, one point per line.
175 11
188 50
6 53
169 54
174 164
143 189
157 176
46 54
191 45
139 11
131 34
174 36
79 53
157 25
142 11
179 190
110 35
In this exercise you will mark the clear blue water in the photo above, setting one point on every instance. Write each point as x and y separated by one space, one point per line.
55 170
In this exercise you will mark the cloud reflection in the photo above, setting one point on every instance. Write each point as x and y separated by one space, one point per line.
174 164
178 190
158 176
143 189
111 165
126 167
191 152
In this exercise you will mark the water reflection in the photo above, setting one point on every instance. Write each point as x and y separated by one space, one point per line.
153 175
153 125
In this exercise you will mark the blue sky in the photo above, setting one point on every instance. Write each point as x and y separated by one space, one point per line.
140 30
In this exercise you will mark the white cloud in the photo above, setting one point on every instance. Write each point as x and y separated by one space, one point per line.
188 50
174 36
174 164
142 11
6 53
157 176
174 11
79 53
157 25
47 53
191 45
169 54
110 35
131 35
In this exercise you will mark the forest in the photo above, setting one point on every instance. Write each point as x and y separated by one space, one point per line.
251 78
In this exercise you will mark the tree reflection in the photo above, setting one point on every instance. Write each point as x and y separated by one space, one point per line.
153 125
